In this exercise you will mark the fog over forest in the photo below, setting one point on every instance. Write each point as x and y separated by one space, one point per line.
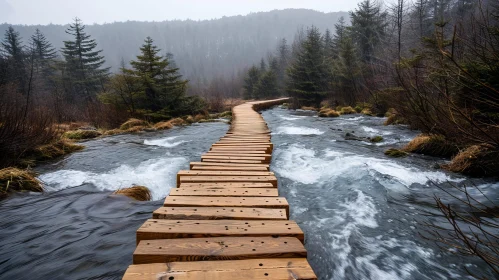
202 49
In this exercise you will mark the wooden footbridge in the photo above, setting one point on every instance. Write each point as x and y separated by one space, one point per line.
225 220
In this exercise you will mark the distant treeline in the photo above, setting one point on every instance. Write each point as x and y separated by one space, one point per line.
434 61
203 49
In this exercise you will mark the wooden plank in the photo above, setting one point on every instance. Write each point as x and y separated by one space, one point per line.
238 152
258 192
267 157
294 268
227 164
203 201
229 168
219 213
216 185
231 158
174 229
217 248
227 179
270 145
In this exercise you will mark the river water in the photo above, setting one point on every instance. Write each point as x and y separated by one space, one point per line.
361 211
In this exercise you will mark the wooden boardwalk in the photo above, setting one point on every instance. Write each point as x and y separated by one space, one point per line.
225 220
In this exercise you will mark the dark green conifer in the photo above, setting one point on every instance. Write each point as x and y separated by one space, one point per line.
250 82
83 63
308 73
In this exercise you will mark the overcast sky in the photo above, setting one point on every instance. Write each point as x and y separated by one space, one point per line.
101 11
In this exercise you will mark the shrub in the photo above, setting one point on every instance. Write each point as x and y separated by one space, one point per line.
332 114
347 110
163 125
376 139
139 193
14 179
431 144
133 122
81 134
358 109
476 160
395 153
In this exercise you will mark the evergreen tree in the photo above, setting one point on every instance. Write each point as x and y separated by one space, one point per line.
283 62
163 86
267 85
328 44
263 66
44 53
340 30
308 73
83 63
250 82
368 25
14 54
346 70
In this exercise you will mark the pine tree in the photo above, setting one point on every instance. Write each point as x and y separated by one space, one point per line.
283 61
250 82
263 66
368 25
15 55
267 85
340 30
328 44
44 53
346 70
162 85
308 73
84 63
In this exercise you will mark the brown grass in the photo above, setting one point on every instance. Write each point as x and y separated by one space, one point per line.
139 193
476 160
136 129
53 150
133 122
163 125
347 110
367 111
190 119
113 132
178 121
308 108
199 117
81 134
431 144
14 179
328 113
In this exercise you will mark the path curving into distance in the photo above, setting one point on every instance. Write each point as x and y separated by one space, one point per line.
225 220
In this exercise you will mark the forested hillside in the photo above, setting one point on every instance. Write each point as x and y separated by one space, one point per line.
202 49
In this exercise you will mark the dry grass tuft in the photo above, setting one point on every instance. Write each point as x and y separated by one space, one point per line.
139 193
199 117
81 134
395 153
190 119
178 121
163 125
476 160
114 132
306 108
133 122
347 110
328 113
431 144
376 139
136 129
367 112
53 150
14 179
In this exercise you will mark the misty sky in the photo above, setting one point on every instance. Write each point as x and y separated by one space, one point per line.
101 11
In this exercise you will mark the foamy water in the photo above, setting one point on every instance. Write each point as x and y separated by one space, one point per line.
159 175
167 142
298 130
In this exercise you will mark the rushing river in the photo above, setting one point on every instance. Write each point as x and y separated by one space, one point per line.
361 211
